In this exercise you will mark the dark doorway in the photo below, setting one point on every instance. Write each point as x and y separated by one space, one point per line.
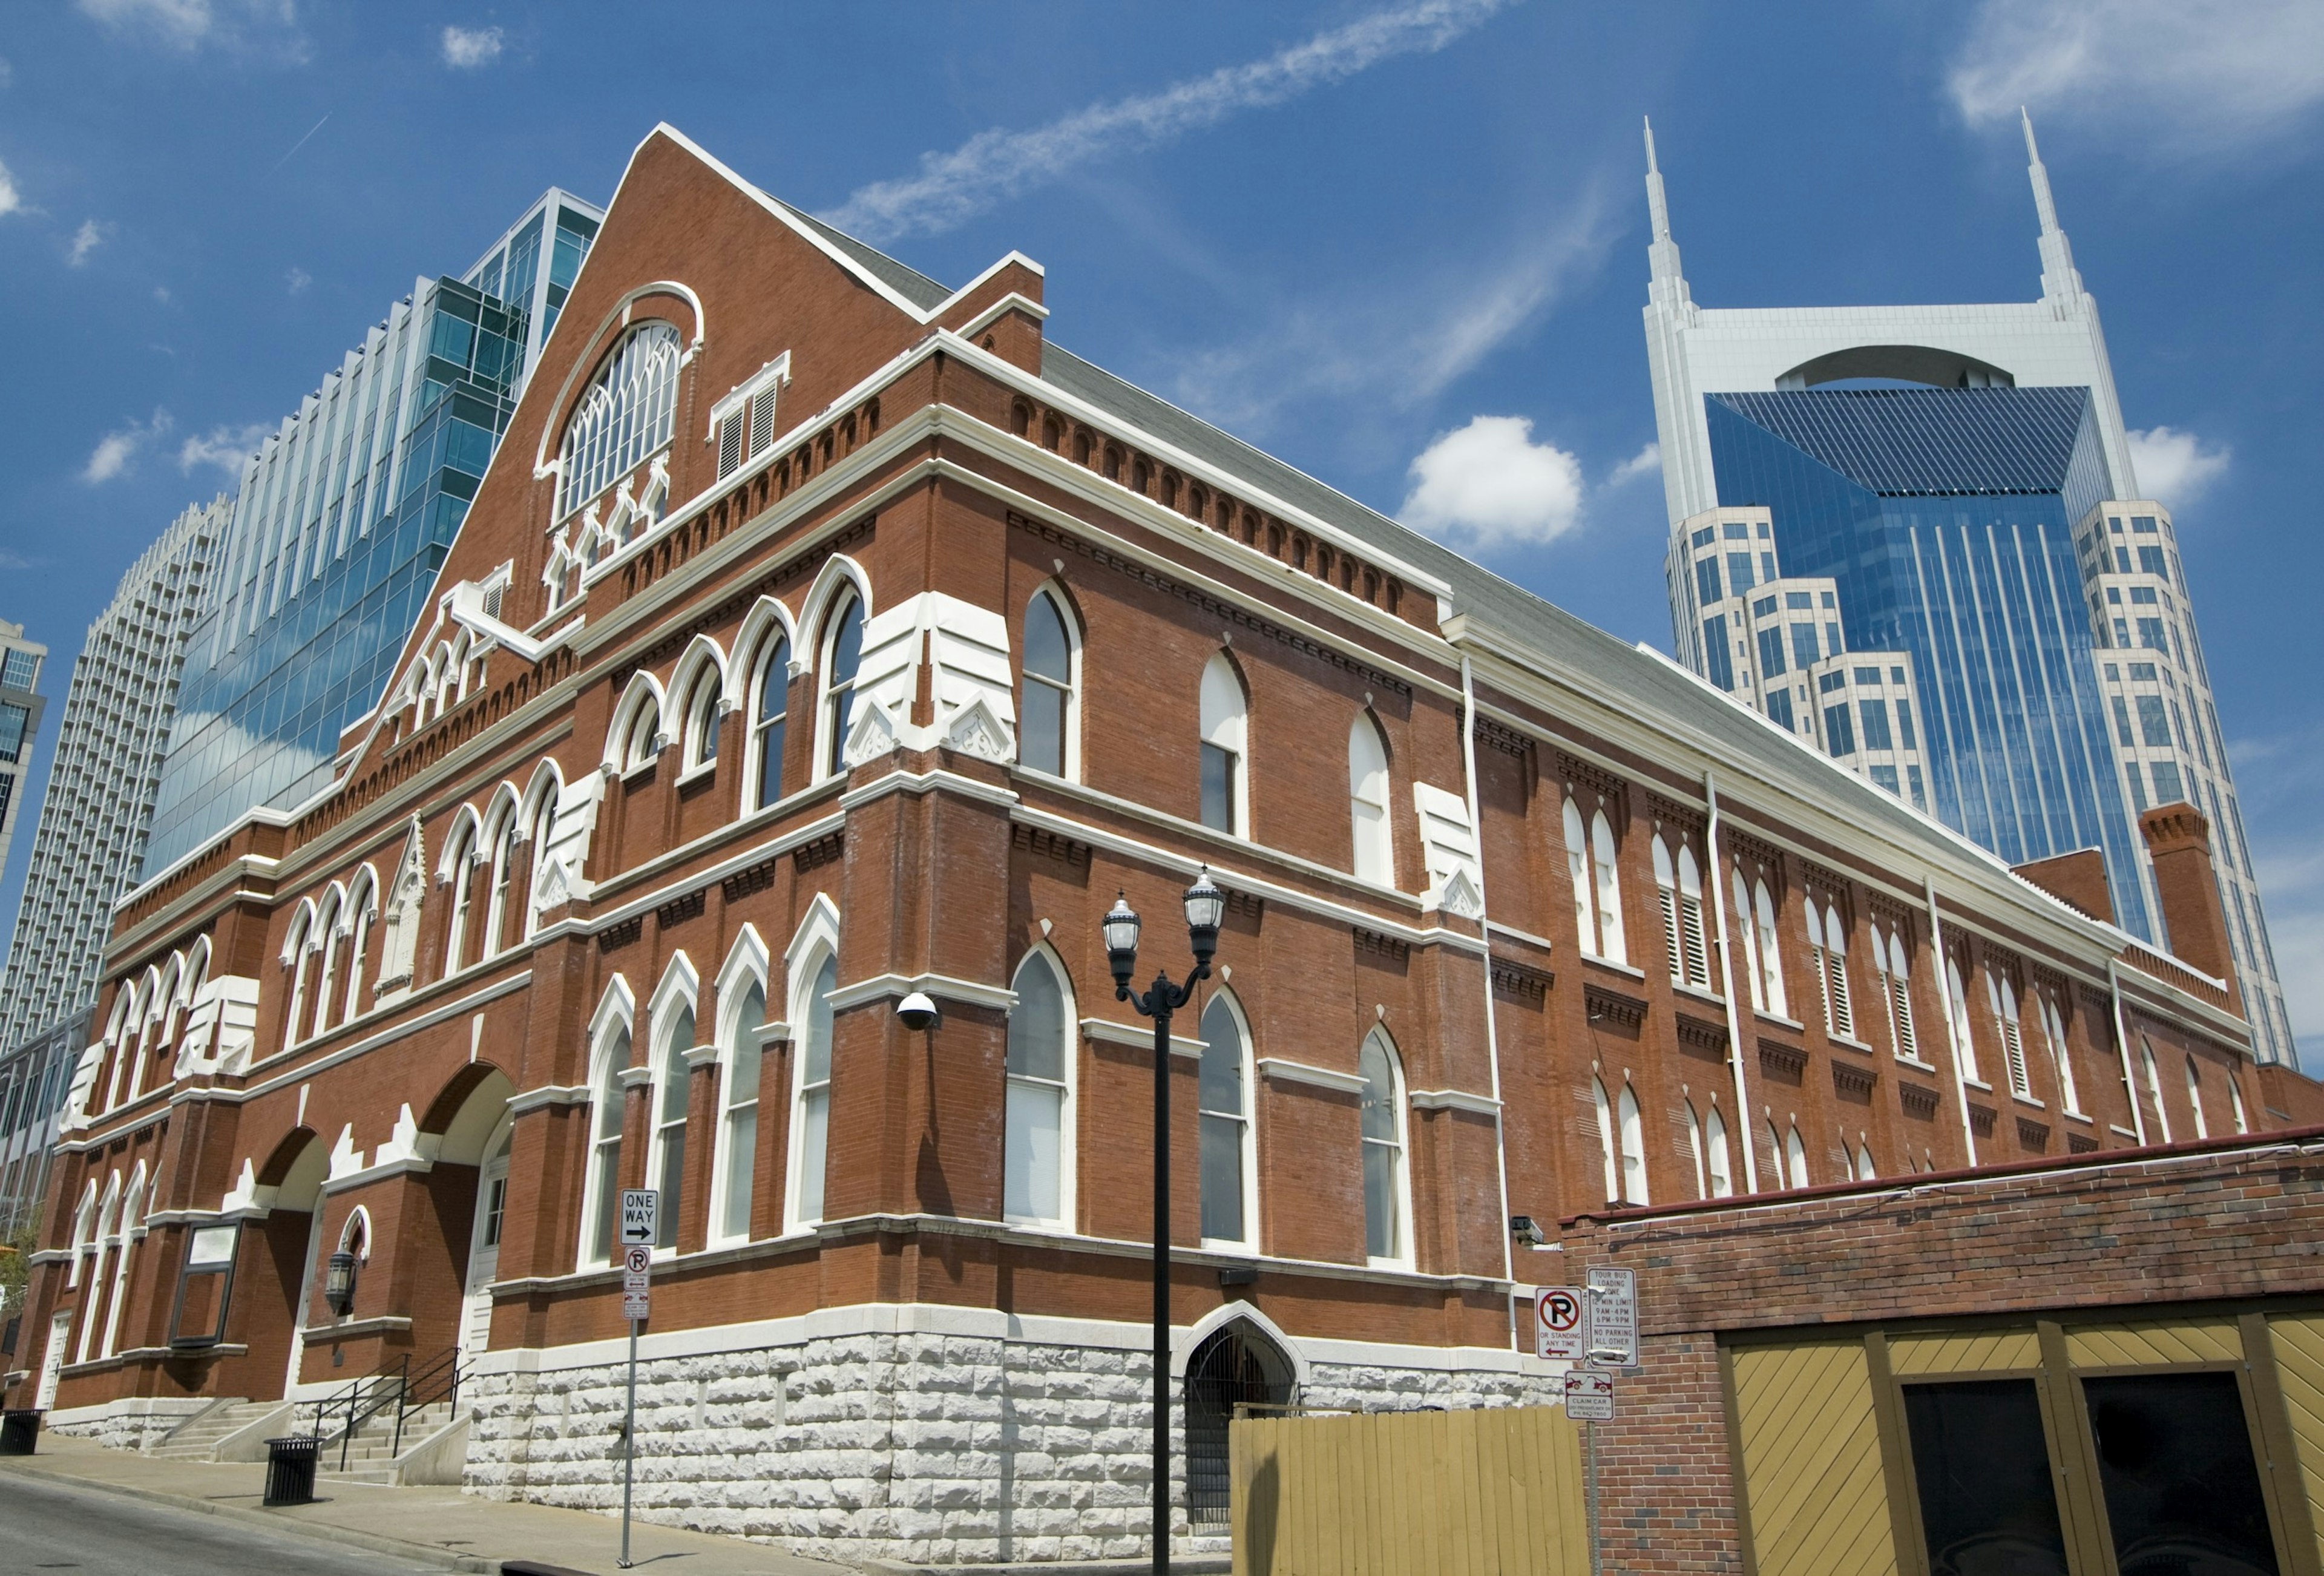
1233 1367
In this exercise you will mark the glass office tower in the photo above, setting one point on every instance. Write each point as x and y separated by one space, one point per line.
342 520
1962 475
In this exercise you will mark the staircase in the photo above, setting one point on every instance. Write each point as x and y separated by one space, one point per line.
370 1454
384 1428
198 1441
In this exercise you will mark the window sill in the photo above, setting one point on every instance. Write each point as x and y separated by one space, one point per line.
697 772
1980 1085
1228 1245
1373 1263
1700 994
1046 1228
1615 966
1917 1064
2027 1100
630 773
2072 1115
2119 1131
1851 1041
1763 1016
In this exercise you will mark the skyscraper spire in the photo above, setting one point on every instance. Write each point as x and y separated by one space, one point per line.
2060 282
1667 285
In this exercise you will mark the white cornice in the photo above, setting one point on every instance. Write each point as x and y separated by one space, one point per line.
1284 1071
1114 1032
893 987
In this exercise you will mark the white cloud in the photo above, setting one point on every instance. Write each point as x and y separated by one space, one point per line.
466 48
9 201
2202 72
1647 461
7 73
2173 468
86 240
227 447
1489 484
162 294
2275 778
997 164
117 449
183 22
299 279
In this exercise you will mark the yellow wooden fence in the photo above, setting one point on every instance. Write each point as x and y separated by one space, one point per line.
1490 1492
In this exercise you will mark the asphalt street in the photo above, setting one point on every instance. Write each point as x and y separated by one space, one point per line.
47 1525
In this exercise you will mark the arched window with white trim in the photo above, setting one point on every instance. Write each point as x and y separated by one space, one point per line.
1577 868
2235 1099
841 665
2195 1098
131 1229
548 788
2154 1086
1896 970
1771 951
1746 939
1863 1169
609 1058
770 690
2003 998
1225 786
1037 1146
1229 1159
363 908
1796 1155
327 978
811 1095
294 957
1715 1155
2062 1059
1695 1145
742 1037
671 1015
1048 731
1630 1129
1964 1041
1375 859
503 872
641 738
1388 1180
1611 943
704 709
625 417
459 867
1828 958
1679 887
1603 1109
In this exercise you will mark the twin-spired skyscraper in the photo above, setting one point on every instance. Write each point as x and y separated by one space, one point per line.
1955 484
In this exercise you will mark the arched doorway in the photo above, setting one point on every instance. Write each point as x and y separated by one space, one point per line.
296 1171
1235 1366
484 1242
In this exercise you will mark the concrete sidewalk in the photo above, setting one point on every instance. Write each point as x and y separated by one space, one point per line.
443 1526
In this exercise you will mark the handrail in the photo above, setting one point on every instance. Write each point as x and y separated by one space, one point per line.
362 1400
439 1381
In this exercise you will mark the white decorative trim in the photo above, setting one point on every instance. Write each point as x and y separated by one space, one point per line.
1453 1100
547 1095
1288 1071
1115 1032
892 987
632 1077
907 782
1014 301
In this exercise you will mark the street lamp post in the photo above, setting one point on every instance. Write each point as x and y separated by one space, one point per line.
1205 906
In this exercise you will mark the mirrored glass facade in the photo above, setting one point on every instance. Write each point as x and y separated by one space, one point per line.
343 519
1946 517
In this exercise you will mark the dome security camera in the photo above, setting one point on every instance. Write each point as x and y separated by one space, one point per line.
918 1010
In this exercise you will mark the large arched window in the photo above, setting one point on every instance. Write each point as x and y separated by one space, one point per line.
1046 734
1695 1149
1680 889
1225 787
843 659
1038 1135
1387 1183
503 872
2062 1059
1229 1169
1964 1042
459 869
1577 867
740 1046
1771 952
2003 997
1367 802
673 1018
1610 945
705 708
610 1058
1714 1145
1796 1155
547 787
1631 1130
1894 967
2153 1085
624 417
811 1097
2195 1098
2236 1098
1746 940
1603 1109
1828 958
294 955
326 979
769 712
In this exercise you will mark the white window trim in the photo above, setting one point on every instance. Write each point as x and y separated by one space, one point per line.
1399 1107
1249 1242
1072 740
817 937
680 990
616 1014
1068 1214
747 965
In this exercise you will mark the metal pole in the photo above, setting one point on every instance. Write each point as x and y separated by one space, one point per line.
1162 1277
629 1446
1590 1502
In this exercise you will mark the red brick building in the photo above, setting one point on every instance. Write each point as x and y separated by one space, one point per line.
820 636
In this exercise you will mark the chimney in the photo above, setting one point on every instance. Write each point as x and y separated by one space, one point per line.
2078 879
2179 839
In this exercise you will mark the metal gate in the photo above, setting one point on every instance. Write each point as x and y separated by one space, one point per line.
1233 1367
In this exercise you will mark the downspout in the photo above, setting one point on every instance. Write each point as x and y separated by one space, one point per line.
1485 934
1952 1028
2122 1045
1727 984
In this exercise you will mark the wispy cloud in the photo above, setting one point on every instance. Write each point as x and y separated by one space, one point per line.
9 201
2196 73
1647 462
998 164
2174 467
115 450
227 447
466 48
86 240
7 73
264 25
299 279
9 560
1398 340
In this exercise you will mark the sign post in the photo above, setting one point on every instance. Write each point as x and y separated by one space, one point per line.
641 1223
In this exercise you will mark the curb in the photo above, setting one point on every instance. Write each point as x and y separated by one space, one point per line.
323 1531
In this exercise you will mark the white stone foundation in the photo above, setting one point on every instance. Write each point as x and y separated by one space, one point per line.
916 1446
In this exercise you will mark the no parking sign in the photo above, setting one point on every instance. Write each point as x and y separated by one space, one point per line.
1557 1324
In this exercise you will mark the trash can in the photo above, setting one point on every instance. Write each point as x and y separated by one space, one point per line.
18 1429
290 1470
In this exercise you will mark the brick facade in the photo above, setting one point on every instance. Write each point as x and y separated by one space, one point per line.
294 1031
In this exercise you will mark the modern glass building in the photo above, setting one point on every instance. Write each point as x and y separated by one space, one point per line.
21 705
342 520
1962 477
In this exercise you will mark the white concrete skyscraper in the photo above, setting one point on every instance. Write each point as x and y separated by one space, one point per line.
1962 477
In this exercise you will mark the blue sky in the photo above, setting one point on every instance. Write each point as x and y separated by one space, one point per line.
1343 230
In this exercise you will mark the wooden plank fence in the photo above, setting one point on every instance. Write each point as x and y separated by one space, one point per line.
1490 1492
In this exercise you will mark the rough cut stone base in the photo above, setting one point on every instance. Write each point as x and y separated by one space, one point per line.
932 1448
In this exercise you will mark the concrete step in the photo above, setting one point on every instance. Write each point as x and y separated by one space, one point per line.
197 1439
